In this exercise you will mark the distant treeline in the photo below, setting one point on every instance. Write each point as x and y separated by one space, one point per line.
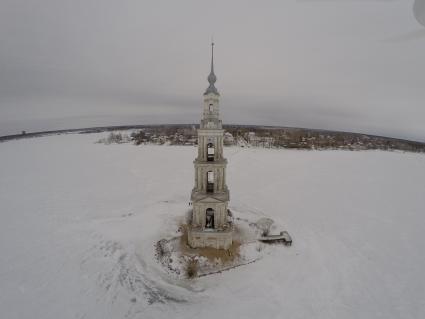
245 136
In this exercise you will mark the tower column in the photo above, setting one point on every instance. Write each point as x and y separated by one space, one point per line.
222 179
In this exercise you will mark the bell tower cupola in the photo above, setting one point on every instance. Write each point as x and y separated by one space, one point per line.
211 77
211 100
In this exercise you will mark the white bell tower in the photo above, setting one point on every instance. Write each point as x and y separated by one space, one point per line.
211 225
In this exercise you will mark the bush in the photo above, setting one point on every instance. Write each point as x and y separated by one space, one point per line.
114 138
192 268
138 137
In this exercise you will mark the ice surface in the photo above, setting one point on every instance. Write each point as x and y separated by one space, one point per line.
79 222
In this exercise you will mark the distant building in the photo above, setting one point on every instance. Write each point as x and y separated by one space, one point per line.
228 139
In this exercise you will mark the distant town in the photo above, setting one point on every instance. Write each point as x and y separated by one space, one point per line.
267 137
241 135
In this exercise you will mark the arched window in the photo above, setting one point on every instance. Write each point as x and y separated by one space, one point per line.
211 107
210 152
210 182
209 218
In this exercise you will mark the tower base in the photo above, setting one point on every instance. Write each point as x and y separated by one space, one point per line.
218 239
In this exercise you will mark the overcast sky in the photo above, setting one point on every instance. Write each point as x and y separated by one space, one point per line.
345 65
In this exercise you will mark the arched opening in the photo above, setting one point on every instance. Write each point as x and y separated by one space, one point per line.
211 107
210 182
210 152
209 218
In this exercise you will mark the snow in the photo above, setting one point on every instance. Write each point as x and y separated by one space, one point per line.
79 223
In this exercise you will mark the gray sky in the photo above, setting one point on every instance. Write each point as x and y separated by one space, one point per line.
345 65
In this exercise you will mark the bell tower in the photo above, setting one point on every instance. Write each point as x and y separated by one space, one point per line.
211 225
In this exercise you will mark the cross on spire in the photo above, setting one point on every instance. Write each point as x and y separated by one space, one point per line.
212 55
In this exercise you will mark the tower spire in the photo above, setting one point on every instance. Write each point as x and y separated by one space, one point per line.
211 77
